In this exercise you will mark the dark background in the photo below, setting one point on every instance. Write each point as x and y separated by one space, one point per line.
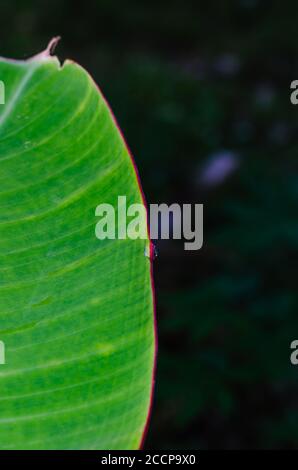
202 93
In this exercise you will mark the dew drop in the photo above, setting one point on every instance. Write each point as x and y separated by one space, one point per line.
151 251
27 144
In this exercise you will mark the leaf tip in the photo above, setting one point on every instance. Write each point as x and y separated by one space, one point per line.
52 46
49 51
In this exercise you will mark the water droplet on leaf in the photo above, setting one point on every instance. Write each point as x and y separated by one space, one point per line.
27 144
151 251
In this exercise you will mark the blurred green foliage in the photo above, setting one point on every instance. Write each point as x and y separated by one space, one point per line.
188 80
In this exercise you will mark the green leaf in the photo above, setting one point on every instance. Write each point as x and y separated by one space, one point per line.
76 313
